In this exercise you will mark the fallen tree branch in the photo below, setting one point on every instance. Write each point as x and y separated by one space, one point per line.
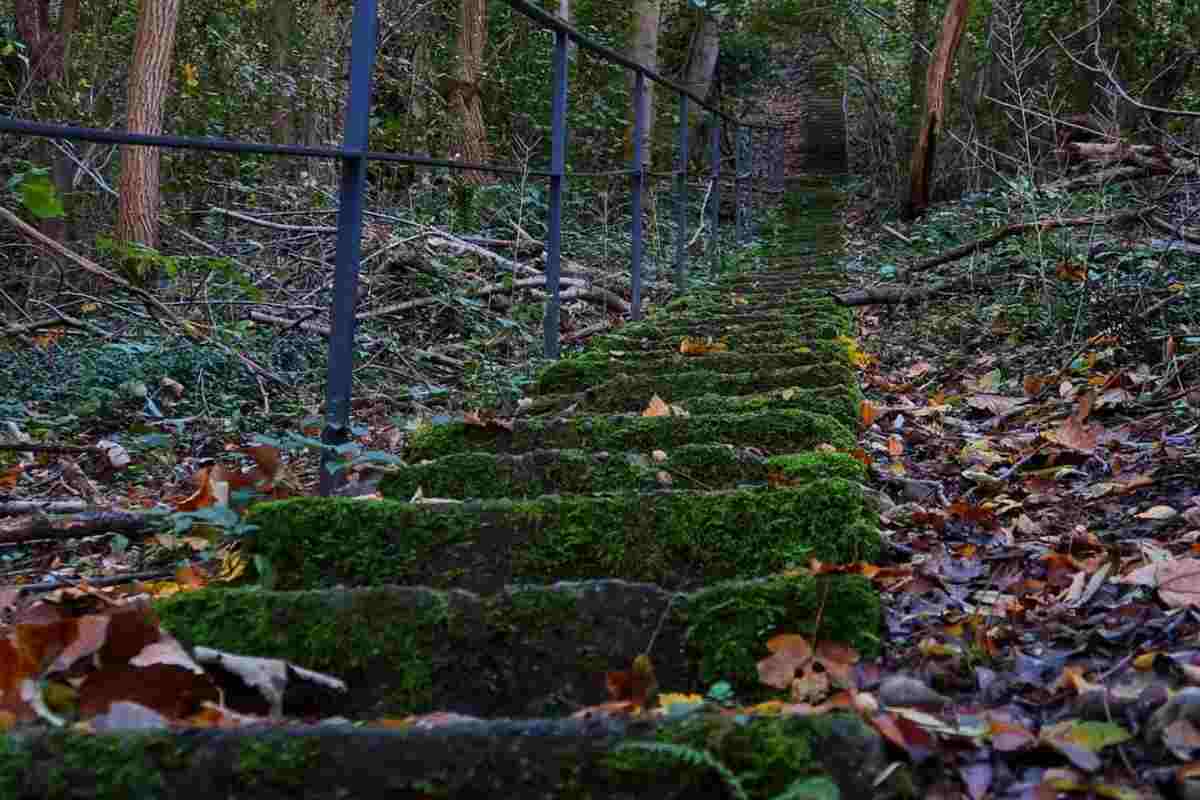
993 239
275 226
1100 178
893 294
1187 234
29 447
114 580
168 321
89 523
588 292
12 508
86 264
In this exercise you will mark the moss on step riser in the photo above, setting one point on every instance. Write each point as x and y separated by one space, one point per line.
570 760
765 341
798 322
413 649
823 327
675 539
784 431
840 402
483 475
683 385
577 374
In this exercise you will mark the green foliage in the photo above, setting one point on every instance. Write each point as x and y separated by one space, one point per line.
35 192
690 757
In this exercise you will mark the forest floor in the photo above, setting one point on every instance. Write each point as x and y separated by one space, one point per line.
1045 475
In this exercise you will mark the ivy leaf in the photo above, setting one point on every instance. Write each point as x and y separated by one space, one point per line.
38 195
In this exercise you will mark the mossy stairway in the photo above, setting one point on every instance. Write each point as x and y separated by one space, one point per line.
551 549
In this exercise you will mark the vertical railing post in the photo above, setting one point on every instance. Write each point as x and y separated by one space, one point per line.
777 153
637 185
740 183
714 212
751 184
737 182
558 156
355 143
681 198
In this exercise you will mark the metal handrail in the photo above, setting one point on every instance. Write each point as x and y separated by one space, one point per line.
355 153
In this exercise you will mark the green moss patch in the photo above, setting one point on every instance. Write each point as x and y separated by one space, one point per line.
783 431
675 539
577 374
484 475
522 649
806 324
803 467
765 757
624 390
628 337
840 402
765 341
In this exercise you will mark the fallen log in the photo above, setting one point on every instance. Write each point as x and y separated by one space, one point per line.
89 523
993 239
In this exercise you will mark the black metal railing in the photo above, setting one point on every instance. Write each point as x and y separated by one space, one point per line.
354 156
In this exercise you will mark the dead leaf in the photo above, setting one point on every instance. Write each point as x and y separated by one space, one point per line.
638 685
1177 580
867 413
657 408
696 347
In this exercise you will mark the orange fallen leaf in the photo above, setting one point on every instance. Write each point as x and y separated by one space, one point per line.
657 408
696 347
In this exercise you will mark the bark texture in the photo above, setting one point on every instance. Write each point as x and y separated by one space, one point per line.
149 80
935 95
644 50
472 143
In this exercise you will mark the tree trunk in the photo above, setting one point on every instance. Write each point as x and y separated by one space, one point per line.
283 20
149 76
702 56
925 148
49 53
472 143
644 50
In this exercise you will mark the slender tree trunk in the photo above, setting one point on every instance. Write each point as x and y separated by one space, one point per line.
925 149
48 44
283 21
472 143
702 56
644 50
149 77
918 64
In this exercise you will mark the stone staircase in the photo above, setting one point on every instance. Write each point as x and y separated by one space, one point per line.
562 546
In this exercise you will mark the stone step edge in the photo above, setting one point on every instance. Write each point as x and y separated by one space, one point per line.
680 539
599 759
524 650
484 475
779 431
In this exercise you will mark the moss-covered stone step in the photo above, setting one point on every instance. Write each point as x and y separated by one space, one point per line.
578 373
622 395
783 431
677 539
760 341
823 326
605 759
624 391
484 475
523 650
800 318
